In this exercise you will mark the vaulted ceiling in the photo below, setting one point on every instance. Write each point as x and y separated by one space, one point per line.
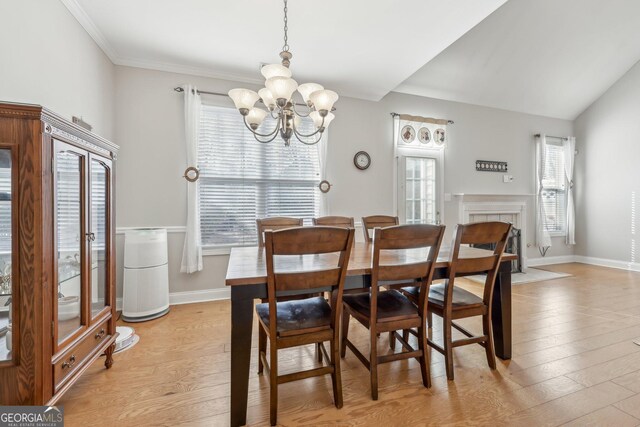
546 57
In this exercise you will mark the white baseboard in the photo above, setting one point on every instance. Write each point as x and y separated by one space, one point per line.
536 262
612 263
189 297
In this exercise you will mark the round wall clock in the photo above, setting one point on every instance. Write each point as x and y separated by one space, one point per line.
362 160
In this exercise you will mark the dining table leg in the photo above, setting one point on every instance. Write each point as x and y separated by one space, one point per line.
501 311
241 325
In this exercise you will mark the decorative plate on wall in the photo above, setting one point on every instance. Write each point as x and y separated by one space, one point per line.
438 136
408 134
424 135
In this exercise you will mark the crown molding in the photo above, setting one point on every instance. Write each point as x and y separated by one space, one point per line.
90 27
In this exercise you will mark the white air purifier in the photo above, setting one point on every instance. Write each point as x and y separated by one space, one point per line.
146 275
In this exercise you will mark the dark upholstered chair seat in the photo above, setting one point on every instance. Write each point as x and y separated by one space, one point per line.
392 305
461 297
299 316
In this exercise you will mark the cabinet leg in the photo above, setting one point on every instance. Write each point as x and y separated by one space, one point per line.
109 353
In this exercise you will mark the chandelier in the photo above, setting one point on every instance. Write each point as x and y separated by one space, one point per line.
277 96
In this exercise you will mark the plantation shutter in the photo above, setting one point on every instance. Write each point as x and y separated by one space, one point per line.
242 179
554 189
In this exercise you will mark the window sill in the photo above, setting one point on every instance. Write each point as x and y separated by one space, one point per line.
558 234
214 251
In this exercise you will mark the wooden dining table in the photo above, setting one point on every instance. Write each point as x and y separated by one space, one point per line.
247 277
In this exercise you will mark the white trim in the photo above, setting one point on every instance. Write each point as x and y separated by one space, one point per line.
90 27
612 263
537 262
188 297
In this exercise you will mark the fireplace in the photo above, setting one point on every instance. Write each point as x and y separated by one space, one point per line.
514 246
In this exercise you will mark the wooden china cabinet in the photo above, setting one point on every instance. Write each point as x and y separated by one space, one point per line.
57 271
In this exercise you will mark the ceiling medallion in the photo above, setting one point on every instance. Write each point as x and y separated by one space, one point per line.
277 96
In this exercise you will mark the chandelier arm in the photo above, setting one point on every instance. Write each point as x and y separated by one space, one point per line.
309 143
264 135
295 130
268 140
300 114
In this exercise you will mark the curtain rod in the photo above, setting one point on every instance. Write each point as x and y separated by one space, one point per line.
179 89
449 122
564 138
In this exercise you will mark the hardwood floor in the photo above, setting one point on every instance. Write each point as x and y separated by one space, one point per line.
574 363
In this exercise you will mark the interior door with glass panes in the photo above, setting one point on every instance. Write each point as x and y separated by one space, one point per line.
100 179
71 237
417 190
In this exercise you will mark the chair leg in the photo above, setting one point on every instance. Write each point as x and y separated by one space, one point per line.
405 335
392 340
273 385
262 347
373 365
345 333
424 360
448 346
318 352
489 348
430 319
336 377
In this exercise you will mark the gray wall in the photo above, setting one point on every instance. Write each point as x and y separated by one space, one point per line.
49 59
151 192
608 197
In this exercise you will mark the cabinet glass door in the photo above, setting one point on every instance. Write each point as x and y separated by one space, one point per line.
70 240
6 253
99 223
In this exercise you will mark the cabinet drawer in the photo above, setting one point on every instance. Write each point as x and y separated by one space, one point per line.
74 358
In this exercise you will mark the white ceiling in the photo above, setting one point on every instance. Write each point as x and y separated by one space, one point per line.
359 48
546 57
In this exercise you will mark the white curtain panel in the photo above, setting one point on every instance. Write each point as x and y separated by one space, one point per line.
569 147
322 156
192 251
543 239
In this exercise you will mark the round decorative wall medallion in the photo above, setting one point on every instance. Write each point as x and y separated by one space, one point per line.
362 160
324 186
424 135
191 174
408 134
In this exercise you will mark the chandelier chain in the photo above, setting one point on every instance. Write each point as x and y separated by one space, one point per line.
286 28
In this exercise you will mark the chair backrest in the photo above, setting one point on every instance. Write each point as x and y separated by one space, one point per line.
419 265
275 223
295 273
335 221
478 233
371 222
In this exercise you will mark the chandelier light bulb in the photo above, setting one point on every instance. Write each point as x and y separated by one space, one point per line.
307 89
267 98
244 99
275 70
255 117
281 87
323 100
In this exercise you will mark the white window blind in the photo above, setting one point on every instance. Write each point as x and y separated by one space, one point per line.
242 179
5 208
554 193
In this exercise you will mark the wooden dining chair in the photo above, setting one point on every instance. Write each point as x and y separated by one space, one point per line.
313 320
275 223
452 303
335 221
371 222
390 310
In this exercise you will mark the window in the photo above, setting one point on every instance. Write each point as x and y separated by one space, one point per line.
554 195
418 199
242 179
